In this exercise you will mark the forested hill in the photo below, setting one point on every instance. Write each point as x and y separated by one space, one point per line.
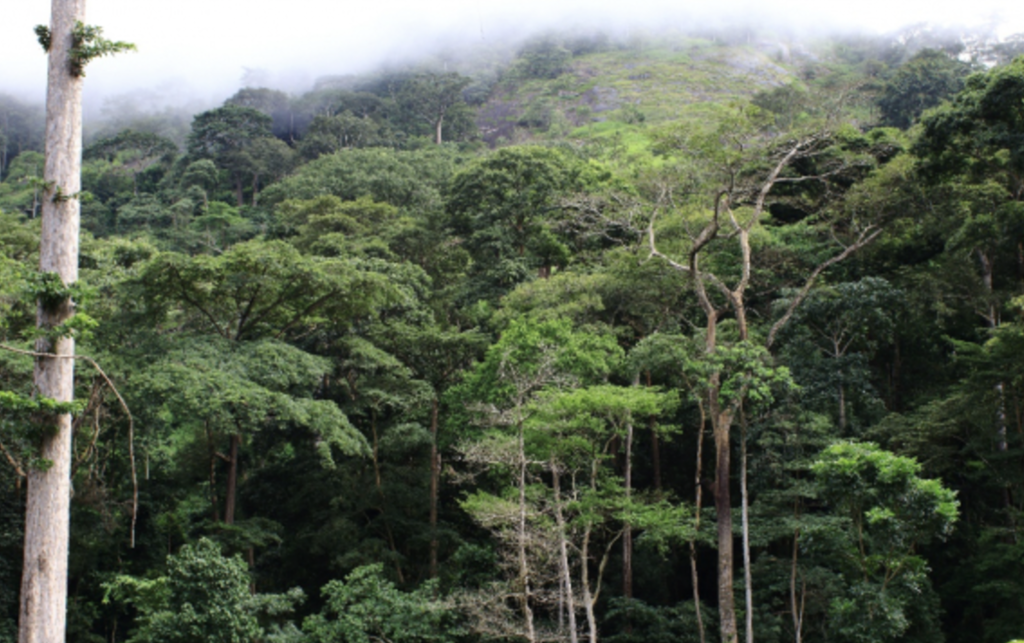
670 338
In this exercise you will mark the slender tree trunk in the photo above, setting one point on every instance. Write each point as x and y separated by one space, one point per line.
214 502
655 455
748 590
992 318
796 610
238 192
723 509
435 474
437 130
652 423
588 599
627 530
524 569
696 526
232 490
563 555
842 409
47 512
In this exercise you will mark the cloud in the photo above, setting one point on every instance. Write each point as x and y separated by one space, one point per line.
207 45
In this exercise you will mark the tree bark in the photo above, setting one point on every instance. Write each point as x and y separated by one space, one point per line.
723 509
214 502
524 569
696 524
627 530
563 555
42 616
435 474
796 611
748 590
232 490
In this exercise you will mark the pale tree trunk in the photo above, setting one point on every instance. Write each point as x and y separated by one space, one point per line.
797 608
652 423
47 518
723 509
748 590
588 598
563 555
627 529
232 490
591 596
524 569
435 474
721 418
696 523
992 319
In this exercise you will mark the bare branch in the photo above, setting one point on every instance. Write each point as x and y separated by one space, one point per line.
13 461
862 240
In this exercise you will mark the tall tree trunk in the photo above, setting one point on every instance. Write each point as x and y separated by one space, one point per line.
796 610
992 319
723 509
694 578
214 502
748 590
437 129
232 490
627 530
842 409
563 555
588 599
238 192
47 512
524 568
435 474
652 423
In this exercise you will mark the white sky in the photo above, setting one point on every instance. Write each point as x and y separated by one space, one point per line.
200 48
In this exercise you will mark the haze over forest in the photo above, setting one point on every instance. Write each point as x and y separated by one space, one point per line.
196 53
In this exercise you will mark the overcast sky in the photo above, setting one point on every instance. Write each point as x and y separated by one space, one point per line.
201 48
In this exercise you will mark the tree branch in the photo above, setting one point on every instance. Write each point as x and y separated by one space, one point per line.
124 405
862 240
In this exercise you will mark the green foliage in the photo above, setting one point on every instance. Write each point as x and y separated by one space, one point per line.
436 100
412 179
921 83
503 205
88 44
51 291
203 597
891 511
544 57
44 37
259 289
328 134
634 621
979 132
367 607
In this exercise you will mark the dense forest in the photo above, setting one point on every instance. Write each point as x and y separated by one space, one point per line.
688 337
